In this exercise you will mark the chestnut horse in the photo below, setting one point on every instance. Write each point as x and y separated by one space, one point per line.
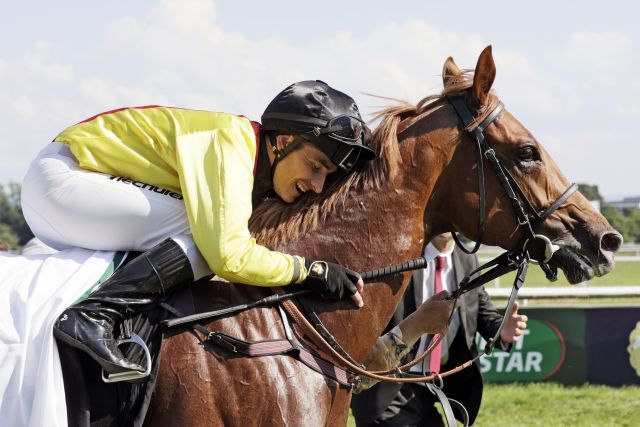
423 183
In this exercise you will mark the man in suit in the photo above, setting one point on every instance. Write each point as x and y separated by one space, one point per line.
391 404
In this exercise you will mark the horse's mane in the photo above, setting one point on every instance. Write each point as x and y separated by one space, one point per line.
274 222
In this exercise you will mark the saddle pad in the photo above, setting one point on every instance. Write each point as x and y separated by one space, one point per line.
34 290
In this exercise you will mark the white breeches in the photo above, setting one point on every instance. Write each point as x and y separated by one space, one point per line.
67 206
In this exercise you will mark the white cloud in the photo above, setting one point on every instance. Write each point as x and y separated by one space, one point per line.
97 90
24 106
37 64
241 75
179 54
56 73
631 112
599 50
3 68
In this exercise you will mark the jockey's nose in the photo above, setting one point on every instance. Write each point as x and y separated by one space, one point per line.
317 184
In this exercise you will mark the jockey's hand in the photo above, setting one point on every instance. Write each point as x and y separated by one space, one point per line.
333 281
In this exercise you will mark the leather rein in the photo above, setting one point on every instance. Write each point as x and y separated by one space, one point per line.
516 259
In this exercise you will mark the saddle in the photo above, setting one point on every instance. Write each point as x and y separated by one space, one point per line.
93 399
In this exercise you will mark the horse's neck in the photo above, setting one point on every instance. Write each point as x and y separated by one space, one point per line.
373 230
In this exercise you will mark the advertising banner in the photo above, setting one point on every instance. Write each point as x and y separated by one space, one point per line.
571 345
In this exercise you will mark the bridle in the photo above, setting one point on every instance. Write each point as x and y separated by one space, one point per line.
505 263
508 261
513 259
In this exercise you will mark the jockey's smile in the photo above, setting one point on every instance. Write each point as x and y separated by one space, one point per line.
304 169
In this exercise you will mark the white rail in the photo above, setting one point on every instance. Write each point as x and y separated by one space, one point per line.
577 291
622 258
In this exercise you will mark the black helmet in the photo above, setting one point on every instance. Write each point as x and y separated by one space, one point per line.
327 118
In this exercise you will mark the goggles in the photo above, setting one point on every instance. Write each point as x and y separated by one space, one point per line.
345 128
343 155
343 138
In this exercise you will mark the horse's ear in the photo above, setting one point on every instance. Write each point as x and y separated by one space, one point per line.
449 71
483 77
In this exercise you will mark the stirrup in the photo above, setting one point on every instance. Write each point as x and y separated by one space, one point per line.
130 375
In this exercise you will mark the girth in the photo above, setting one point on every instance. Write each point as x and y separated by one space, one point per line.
291 345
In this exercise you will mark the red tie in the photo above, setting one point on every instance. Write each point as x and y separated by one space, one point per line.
434 359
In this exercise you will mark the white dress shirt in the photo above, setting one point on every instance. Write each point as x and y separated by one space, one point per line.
448 282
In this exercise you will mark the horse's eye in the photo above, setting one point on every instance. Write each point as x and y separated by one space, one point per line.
528 154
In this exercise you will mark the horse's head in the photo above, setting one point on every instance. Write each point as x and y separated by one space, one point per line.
587 241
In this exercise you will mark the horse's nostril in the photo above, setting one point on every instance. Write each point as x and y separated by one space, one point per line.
611 241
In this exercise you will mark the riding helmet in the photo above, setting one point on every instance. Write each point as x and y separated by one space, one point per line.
324 116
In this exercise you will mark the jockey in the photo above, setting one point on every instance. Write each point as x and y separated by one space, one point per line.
180 185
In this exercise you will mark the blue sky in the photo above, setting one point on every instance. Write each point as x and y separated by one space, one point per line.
567 69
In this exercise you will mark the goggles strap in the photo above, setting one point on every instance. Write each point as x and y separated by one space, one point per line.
333 126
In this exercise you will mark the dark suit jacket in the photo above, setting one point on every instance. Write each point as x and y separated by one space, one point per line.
477 314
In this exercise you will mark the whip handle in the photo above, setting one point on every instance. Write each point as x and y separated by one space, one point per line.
414 264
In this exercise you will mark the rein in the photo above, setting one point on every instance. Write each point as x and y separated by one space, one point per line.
414 264
517 259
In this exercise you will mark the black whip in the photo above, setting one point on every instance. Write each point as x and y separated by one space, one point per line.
414 264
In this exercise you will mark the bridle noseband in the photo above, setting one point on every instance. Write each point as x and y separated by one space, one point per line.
530 222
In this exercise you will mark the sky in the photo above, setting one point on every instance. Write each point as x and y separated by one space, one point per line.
566 69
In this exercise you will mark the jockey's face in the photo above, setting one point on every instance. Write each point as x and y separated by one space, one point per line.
304 169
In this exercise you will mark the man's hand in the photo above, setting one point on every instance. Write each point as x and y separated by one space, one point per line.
514 325
430 318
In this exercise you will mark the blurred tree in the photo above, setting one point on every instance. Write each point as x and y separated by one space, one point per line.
589 191
626 221
13 227
616 219
633 220
8 237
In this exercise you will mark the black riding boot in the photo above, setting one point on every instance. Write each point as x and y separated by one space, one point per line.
89 325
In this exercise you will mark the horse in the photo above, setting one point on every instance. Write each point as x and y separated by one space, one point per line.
423 183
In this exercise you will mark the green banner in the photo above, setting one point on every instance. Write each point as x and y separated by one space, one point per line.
537 355
551 348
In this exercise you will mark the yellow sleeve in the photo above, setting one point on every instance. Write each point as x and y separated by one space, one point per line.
216 177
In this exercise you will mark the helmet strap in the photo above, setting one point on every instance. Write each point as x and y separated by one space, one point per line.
280 154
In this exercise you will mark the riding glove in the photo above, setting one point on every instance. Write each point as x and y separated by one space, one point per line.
330 280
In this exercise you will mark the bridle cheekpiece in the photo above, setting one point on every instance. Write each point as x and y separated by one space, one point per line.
518 258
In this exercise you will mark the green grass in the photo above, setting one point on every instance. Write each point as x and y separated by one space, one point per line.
624 273
548 404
